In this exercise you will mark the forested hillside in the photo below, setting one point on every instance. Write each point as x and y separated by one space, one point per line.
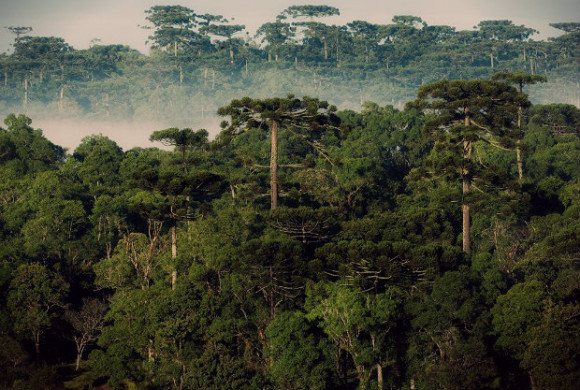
429 241
198 63
434 247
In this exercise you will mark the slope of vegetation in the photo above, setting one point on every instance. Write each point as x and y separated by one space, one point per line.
426 245
157 269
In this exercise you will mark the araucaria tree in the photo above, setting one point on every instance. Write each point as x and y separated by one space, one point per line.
463 114
307 116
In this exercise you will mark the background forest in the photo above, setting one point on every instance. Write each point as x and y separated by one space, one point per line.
198 63
427 242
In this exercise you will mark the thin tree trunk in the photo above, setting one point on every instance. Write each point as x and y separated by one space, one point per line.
173 255
61 99
174 242
274 165
467 148
79 358
532 382
25 99
36 336
380 381
518 151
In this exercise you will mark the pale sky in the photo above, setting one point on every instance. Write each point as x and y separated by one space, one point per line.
117 21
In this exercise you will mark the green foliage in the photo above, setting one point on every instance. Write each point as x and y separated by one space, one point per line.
294 345
356 279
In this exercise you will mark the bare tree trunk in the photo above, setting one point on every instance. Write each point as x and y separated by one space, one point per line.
518 151
532 382
467 148
79 357
173 255
466 210
25 99
174 242
380 381
36 336
491 60
61 99
150 352
274 165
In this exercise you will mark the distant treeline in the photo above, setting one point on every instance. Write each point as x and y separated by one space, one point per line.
198 63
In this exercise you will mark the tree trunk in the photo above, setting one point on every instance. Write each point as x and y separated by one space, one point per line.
36 336
174 242
361 377
25 99
79 357
173 255
380 381
274 165
61 99
532 382
467 148
518 151
491 60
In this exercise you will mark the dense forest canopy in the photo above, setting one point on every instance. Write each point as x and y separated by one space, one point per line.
308 244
